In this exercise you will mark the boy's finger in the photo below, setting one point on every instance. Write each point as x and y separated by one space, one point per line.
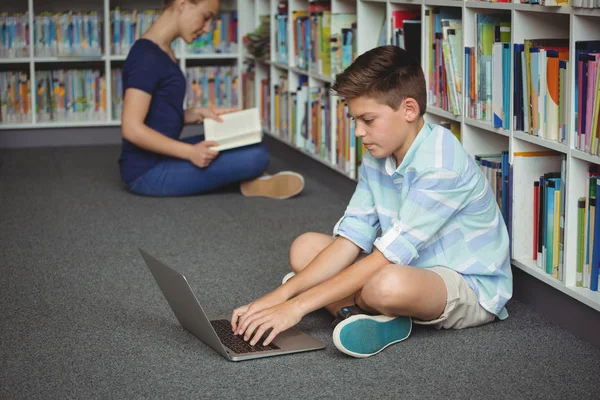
259 333
271 336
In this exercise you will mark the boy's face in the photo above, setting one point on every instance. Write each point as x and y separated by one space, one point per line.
382 130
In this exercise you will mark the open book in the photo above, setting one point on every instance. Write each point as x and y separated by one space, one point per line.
240 128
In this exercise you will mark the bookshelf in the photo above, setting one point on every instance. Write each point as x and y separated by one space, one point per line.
104 58
275 85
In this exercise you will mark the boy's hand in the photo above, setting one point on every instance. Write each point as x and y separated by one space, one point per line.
278 318
239 317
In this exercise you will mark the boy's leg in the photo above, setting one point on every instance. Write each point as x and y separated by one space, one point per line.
435 296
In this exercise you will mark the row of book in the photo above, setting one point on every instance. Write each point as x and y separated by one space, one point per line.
588 232
14 35
549 215
68 33
79 33
15 97
560 3
323 42
445 55
61 95
71 95
302 116
554 3
210 86
587 96
541 102
129 25
487 71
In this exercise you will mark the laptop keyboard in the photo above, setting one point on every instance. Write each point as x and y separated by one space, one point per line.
237 343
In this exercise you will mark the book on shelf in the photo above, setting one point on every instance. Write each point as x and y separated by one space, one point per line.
587 94
212 86
15 97
445 58
248 85
406 31
69 33
128 25
541 70
281 33
488 69
221 38
588 233
238 129
14 35
70 94
540 195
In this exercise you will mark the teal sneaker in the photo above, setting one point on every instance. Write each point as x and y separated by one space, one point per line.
363 335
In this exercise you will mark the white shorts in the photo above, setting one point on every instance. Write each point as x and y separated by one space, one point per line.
462 307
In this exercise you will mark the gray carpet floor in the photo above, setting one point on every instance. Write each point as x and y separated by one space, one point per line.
81 316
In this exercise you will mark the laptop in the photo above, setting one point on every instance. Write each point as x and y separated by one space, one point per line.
217 333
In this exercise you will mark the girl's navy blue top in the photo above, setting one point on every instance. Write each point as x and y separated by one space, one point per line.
150 69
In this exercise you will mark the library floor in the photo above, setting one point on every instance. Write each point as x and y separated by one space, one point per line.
82 317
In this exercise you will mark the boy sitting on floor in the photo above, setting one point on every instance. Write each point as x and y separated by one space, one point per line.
435 248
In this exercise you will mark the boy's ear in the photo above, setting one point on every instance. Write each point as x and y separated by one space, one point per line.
411 109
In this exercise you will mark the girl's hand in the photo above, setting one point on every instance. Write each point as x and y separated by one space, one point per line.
202 155
198 115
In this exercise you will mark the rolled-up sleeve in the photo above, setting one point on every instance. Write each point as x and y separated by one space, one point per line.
360 222
434 197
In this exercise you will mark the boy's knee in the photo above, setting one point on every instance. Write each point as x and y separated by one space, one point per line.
299 249
385 289
305 248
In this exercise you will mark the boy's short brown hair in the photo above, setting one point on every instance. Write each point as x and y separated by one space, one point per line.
387 74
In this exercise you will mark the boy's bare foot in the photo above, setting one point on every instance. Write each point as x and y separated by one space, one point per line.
282 185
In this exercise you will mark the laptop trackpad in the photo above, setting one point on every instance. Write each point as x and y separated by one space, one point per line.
294 339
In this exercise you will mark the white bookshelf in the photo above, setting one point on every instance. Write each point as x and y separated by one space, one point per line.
478 137
106 61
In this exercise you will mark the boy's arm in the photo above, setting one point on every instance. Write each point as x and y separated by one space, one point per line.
342 285
434 198
340 254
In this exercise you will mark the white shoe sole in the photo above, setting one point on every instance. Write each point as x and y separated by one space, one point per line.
370 334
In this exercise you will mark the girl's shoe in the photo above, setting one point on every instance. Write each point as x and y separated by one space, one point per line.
282 185
362 335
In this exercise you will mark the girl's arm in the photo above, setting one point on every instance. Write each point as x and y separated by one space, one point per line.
135 107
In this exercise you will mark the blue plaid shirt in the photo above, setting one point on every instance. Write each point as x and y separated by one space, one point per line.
435 209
